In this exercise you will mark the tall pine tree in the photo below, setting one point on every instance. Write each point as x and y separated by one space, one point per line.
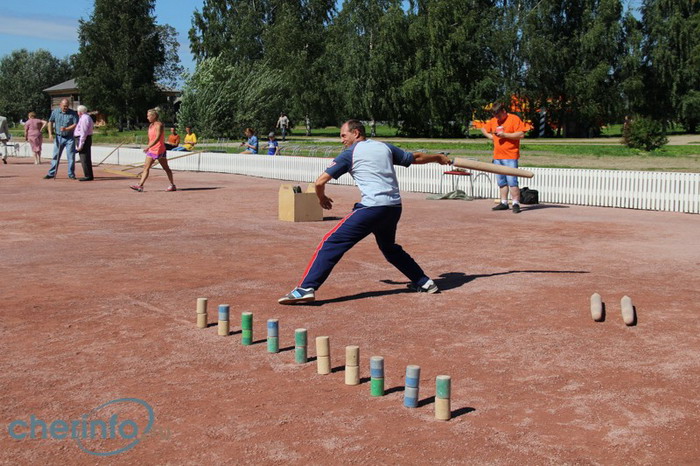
120 52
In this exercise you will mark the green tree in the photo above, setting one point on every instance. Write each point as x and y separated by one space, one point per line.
295 42
451 71
121 53
632 67
672 51
572 53
170 71
229 28
23 77
221 99
367 52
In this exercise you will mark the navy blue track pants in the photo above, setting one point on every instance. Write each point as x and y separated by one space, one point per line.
380 221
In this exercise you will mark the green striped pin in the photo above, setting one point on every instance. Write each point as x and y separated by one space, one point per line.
300 343
247 328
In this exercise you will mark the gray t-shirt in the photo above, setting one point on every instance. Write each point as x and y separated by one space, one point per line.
371 164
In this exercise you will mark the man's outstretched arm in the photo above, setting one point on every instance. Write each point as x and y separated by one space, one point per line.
421 158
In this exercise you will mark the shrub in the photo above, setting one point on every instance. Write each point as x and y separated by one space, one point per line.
644 133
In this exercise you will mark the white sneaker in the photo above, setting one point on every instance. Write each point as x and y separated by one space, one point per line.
298 295
428 287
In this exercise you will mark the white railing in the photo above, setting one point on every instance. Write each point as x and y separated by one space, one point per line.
666 191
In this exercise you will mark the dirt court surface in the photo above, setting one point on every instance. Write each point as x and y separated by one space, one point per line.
99 287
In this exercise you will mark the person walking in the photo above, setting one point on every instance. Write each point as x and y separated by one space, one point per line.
33 134
83 132
283 125
371 164
63 121
4 137
155 151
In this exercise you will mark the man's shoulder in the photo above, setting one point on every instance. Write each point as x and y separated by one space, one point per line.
514 117
374 143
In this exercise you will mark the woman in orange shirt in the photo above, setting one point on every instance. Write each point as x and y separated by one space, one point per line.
155 151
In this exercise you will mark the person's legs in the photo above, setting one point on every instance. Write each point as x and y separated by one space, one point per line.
334 245
515 194
385 234
70 153
86 159
58 144
166 168
512 182
502 181
146 170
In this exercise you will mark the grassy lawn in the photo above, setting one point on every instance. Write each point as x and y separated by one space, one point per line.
535 152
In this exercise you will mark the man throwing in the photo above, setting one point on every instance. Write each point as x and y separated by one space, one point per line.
371 164
506 130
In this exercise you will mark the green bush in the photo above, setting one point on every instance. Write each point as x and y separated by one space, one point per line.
644 133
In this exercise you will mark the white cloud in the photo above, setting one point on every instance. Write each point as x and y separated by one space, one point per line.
40 27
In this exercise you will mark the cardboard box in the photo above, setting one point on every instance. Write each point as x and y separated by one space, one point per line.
299 207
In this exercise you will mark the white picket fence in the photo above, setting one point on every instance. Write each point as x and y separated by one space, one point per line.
665 191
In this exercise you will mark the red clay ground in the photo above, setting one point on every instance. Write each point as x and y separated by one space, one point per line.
99 284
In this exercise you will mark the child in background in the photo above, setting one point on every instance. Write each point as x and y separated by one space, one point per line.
273 146
190 139
251 145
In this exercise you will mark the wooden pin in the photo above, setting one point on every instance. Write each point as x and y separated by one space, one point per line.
628 315
352 355
352 365
443 410
596 307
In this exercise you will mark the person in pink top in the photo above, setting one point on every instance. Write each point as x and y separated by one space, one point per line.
155 151
83 137
33 129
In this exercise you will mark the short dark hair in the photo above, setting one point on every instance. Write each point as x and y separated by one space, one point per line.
356 125
498 106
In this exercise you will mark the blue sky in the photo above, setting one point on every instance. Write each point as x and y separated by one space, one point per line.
48 24
52 25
